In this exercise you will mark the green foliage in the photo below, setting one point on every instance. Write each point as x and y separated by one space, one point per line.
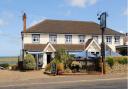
123 61
110 61
75 66
5 65
62 57
29 62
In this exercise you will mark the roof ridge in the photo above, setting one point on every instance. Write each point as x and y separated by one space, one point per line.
68 20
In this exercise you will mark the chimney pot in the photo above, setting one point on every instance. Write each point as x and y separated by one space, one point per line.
24 22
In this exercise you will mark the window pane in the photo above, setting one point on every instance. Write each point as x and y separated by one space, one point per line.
81 39
35 38
117 39
68 39
53 38
108 39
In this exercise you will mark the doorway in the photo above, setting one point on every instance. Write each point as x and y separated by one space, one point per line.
49 58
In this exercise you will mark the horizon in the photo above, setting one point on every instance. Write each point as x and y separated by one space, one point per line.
11 12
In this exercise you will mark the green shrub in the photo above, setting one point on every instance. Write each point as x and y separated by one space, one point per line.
110 61
5 65
123 61
75 66
29 62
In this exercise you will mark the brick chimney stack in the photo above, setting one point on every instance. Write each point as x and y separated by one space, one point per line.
24 22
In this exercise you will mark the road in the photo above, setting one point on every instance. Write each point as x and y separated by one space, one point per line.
113 83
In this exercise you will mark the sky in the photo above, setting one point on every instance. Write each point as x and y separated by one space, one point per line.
11 12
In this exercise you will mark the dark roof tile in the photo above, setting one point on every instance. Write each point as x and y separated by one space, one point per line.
69 27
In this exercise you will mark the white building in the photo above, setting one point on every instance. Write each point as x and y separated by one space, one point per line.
43 39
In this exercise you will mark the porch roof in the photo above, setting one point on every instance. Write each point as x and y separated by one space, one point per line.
41 47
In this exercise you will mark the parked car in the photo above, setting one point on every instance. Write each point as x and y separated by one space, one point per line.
2 68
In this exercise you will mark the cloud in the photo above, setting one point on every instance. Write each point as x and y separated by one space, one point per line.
125 13
81 3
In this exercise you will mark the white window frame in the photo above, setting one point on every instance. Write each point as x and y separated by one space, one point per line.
53 38
68 39
35 38
81 39
109 39
117 39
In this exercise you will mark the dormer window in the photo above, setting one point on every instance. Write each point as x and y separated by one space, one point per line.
35 38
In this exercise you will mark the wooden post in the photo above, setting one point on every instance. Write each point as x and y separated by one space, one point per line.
103 51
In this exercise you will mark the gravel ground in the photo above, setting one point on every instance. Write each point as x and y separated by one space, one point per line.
10 76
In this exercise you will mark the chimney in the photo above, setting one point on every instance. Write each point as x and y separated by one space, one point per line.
24 22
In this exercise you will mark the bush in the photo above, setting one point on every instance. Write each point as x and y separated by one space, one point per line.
29 62
4 65
48 67
123 61
110 61
75 66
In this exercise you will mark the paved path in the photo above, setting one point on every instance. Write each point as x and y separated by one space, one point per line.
13 76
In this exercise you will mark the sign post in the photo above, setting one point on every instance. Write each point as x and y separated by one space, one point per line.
102 19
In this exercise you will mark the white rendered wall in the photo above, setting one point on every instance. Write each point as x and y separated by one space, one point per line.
44 39
60 38
27 38
44 60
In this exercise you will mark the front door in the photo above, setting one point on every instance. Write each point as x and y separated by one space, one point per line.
48 58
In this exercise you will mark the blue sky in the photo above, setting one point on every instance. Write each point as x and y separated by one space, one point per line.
86 10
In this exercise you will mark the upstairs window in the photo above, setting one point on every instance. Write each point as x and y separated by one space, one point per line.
35 38
95 38
81 39
53 38
68 39
109 39
117 39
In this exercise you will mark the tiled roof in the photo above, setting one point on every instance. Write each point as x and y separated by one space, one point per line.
69 27
40 47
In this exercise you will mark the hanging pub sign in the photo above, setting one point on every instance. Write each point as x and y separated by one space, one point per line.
102 19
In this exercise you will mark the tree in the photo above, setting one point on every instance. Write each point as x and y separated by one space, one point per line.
63 57
29 62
